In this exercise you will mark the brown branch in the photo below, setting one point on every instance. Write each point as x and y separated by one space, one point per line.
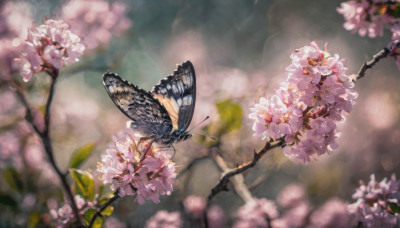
375 58
103 207
45 137
222 183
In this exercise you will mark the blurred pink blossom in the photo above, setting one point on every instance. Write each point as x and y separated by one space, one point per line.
127 167
256 213
307 107
165 219
113 222
332 214
395 51
195 205
49 47
64 214
372 202
216 217
290 196
96 21
364 17
15 19
297 216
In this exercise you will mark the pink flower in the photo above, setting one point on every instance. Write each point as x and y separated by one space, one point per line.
165 219
297 216
96 20
128 167
195 206
256 213
372 202
64 214
49 47
291 195
365 17
395 51
332 214
306 108
216 217
15 19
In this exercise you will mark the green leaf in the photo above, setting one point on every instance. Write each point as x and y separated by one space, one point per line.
13 178
395 208
81 154
84 183
108 211
231 116
34 219
87 217
7 201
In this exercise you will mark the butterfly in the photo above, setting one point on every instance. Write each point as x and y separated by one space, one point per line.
162 114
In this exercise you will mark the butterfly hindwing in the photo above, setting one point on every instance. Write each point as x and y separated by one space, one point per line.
177 93
146 112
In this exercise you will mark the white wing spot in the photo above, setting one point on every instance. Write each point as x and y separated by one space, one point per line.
111 89
187 100
179 101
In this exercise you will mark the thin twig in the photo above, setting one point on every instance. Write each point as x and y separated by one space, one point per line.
29 111
102 208
45 137
222 183
375 58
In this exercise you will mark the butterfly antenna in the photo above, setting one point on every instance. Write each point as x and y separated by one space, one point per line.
199 123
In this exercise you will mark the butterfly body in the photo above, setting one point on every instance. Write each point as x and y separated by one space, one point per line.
165 112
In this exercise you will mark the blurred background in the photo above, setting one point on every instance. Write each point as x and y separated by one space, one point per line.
239 50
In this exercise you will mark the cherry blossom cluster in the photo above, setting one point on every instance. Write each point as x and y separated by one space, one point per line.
374 201
49 46
368 17
96 21
64 214
308 106
296 212
256 213
135 167
195 205
165 219
393 46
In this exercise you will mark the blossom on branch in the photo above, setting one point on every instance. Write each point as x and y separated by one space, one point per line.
165 219
374 202
96 21
49 47
195 205
64 214
307 107
367 17
257 213
137 168
393 46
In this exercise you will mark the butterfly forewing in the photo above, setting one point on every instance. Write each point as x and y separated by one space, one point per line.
147 114
177 93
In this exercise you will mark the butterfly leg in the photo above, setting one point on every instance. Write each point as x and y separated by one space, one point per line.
153 138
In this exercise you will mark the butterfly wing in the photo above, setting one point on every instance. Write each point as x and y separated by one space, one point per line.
147 114
177 93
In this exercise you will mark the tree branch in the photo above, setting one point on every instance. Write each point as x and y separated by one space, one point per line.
222 183
375 58
103 207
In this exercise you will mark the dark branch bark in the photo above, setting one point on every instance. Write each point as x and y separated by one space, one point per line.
369 64
102 208
46 140
222 183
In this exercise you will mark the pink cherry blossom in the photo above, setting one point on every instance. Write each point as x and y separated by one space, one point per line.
64 214
216 217
291 195
256 213
395 51
332 214
365 17
49 46
96 21
372 202
307 108
128 167
15 19
195 205
165 219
